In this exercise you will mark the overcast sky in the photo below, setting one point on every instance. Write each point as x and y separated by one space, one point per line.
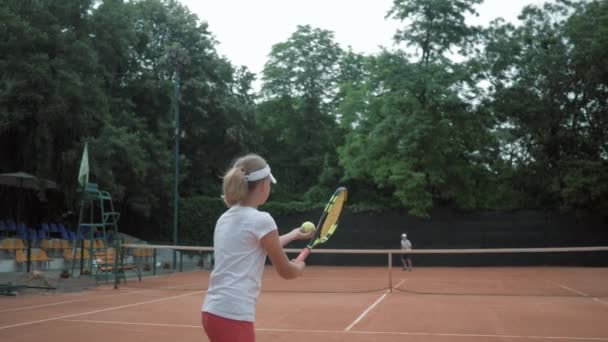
247 29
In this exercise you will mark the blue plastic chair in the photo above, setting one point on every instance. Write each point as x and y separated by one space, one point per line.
62 228
32 233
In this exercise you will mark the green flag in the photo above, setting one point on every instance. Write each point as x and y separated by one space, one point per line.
83 174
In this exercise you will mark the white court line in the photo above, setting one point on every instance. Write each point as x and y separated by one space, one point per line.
41 305
570 289
98 311
67 301
497 336
165 287
599 300
579 292
133 323
365 312
320 278
184 285
401 282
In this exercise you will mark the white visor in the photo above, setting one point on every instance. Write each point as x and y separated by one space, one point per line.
260 174
403 236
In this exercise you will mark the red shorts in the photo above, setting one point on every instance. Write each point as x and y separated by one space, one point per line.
220 329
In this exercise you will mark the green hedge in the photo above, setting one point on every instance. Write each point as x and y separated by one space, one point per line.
277 209
198 215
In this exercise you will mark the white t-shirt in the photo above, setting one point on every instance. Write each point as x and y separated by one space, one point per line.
236 279
406 244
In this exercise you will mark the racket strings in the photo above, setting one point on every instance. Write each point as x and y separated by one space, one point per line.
333 213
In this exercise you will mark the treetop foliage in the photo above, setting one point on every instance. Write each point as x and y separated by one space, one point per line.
498 117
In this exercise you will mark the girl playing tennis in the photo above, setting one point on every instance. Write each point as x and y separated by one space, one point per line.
242 238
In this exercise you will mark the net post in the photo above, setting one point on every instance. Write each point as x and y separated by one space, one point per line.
181 261
390 271
153 261
118 253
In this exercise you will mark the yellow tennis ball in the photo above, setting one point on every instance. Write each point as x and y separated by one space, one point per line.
307 227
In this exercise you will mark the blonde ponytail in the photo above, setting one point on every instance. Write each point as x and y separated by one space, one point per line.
235 185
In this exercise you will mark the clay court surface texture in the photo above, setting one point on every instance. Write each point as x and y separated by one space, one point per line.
332 304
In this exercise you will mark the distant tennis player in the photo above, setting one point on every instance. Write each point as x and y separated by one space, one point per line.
405 257
242 238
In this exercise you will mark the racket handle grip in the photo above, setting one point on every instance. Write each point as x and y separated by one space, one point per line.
303 254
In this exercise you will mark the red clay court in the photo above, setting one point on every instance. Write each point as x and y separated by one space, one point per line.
334 304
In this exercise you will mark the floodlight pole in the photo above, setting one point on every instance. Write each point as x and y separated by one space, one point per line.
176 160
179 57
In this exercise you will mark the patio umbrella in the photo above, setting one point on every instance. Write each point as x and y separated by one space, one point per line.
24 180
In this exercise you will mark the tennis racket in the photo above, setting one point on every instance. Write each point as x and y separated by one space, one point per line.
327 223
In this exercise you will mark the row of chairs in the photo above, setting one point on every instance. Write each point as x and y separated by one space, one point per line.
52 229
49 244
10 225
10 228
18 245
11 244
46 231
37 255
58 244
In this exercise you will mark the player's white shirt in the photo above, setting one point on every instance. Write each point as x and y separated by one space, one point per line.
406 244
236 279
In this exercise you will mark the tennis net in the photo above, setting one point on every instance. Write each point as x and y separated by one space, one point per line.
574 271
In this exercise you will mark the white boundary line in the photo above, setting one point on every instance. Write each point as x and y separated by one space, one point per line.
113 295
164 287
579 292
98 311
365 312
304 278
570 289
599 300
133 323
399 284
41 305
67 301
497 336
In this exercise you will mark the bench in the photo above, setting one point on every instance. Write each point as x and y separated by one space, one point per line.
104 261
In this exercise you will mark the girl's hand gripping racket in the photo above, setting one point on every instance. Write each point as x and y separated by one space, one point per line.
327 223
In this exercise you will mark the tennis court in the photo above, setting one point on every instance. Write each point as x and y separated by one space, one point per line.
334 304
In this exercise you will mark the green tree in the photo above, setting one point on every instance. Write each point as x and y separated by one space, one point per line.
216 114
297 116
97 71
413 129
548 89
50 96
